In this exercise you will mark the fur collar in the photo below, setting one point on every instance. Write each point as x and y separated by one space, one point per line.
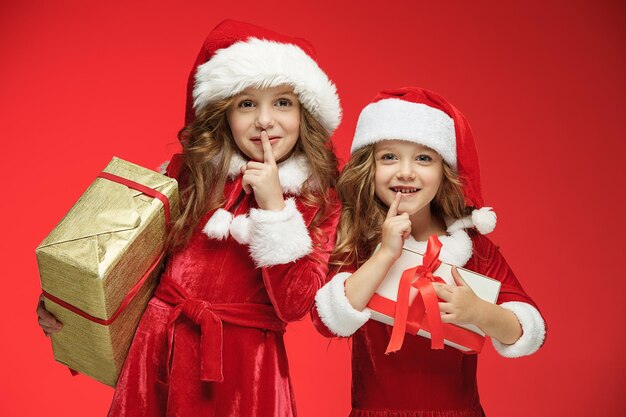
292 172
456 249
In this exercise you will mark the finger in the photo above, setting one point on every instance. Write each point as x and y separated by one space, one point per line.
458 278
393 208
44 314
446 308
448 318
245 183
254 165
442 293
50 322
268 153
50 329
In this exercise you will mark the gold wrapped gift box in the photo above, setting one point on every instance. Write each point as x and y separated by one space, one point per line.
91 260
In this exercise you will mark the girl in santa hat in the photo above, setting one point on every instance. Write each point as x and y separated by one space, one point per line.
413 173
251 247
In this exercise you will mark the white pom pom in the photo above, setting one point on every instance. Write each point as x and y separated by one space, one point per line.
240 229
218 225
484 220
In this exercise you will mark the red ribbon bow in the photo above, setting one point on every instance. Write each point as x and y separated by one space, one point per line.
422 278
210 317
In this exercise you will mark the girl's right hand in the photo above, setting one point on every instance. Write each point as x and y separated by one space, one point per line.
396 229
47 322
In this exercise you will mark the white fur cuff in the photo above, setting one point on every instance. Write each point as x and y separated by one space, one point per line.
533 331
278 237
335 310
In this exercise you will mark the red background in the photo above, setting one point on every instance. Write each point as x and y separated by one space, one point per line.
539 81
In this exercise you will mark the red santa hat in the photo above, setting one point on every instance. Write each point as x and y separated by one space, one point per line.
421 116
238 55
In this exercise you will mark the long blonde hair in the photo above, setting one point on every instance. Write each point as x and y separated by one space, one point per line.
202 180
363 214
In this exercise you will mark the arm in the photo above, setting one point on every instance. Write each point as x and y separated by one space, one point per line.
514 324
294 260
341 303
462 306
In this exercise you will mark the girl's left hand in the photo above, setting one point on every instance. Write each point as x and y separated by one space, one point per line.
461 305
261 178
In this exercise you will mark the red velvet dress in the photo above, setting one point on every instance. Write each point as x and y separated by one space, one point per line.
417 381
214 273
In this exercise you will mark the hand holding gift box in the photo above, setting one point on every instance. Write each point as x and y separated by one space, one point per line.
100 264
407 301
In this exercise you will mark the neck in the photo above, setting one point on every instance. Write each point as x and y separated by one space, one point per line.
424 224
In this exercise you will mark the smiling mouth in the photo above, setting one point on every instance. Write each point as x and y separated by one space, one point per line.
404 190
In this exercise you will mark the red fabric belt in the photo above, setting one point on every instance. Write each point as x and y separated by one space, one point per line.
210 317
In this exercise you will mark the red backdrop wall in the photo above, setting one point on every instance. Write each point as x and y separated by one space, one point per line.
539 81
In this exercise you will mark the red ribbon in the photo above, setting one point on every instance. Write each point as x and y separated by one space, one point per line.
416 320
133 291
144 189
422 278
125 302
210 317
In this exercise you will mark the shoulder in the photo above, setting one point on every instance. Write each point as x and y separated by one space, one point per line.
481 244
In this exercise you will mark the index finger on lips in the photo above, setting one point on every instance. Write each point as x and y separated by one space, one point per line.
393 208
268 153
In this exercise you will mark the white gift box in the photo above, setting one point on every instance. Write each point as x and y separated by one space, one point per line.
387 293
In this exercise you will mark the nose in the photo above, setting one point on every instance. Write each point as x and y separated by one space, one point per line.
405 171
264 117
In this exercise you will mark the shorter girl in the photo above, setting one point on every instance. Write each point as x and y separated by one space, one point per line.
414 173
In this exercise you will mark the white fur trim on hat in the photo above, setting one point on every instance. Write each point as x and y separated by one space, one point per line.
278 237
263 64
240 229
218 225
533 331
335 309
414 122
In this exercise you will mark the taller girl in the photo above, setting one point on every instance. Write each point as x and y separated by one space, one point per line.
414 173
252 245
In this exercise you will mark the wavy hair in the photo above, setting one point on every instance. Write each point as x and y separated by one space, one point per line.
363 214
208 139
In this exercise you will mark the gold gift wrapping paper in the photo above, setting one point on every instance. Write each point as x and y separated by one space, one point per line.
101 248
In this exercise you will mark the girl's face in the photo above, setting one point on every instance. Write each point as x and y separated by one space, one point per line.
275 110
414 170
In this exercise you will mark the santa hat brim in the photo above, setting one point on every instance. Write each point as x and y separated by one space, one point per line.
263 64
402 120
